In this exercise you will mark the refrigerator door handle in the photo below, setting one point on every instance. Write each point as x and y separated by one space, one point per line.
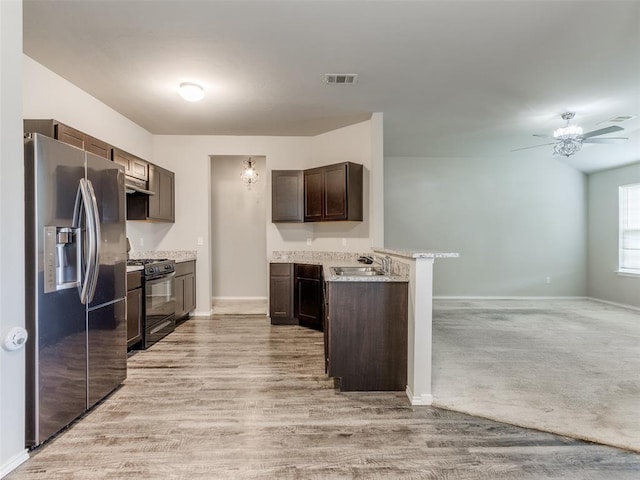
95 218
85 204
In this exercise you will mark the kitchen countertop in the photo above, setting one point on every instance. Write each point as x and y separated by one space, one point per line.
341 259
176 255
411 254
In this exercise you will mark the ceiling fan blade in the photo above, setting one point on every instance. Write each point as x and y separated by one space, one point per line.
534 146
602 131
606 140
542 135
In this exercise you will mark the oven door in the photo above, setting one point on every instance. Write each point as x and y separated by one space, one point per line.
160 304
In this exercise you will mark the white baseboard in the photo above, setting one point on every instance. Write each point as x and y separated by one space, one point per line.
621 305
442 297
244 299
424 399
201 314
13 463
239 306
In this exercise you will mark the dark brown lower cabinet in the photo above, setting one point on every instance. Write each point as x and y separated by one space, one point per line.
185 291
308 302
366 335
135 303
281 294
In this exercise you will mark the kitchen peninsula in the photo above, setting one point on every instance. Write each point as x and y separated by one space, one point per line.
413 268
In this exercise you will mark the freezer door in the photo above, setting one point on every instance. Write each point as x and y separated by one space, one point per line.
107 350
55 319
107 179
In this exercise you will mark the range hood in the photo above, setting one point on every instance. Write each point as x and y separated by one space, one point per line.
135 185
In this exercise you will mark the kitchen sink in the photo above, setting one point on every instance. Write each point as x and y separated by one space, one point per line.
358 271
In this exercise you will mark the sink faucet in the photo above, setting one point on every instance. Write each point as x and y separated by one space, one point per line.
384 261
386 264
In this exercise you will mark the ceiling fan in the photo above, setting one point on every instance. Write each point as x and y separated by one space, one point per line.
568 140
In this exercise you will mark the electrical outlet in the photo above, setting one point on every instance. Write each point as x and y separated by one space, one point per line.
308 241
548 280
344 242
199 241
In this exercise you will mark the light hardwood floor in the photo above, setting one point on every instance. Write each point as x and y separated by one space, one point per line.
235 398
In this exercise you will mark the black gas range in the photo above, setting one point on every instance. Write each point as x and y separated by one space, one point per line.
159 294
154 267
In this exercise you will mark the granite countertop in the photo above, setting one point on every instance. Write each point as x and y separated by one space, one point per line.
400 272
410 254
134 268
176 255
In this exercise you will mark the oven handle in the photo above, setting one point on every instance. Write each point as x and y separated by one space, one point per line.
161 278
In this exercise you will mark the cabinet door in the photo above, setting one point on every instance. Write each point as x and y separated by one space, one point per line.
179 293
133 166
97 147
161 205
281 294
138 168
287 196
308 305
335 192
189 293
309 302
121 158
134 316
313 195
70 135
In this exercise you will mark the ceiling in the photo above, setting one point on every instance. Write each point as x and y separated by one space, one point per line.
452 78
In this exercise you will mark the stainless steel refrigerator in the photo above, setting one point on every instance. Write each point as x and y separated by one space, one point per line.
75 283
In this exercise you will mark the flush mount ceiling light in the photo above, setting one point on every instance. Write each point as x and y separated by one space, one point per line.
249 175
191 92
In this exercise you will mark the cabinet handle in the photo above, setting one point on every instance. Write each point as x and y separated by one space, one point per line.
279 313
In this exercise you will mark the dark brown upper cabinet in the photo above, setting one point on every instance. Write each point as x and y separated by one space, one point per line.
155 208
287 196
133 166
71 136
333 193
162 204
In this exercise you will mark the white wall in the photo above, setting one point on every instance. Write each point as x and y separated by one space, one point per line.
514 222
348 144
48 95
12 371
188 156
603 281
238 233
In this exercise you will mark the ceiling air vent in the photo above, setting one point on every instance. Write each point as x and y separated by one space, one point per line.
341 78
621 118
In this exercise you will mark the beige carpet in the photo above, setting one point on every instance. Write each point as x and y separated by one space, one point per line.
570 367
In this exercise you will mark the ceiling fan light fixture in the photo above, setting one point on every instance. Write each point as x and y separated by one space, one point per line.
567 147
191 92
570 131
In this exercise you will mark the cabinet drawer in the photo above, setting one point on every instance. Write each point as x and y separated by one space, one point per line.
280 269
309 271
185 268
134 280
